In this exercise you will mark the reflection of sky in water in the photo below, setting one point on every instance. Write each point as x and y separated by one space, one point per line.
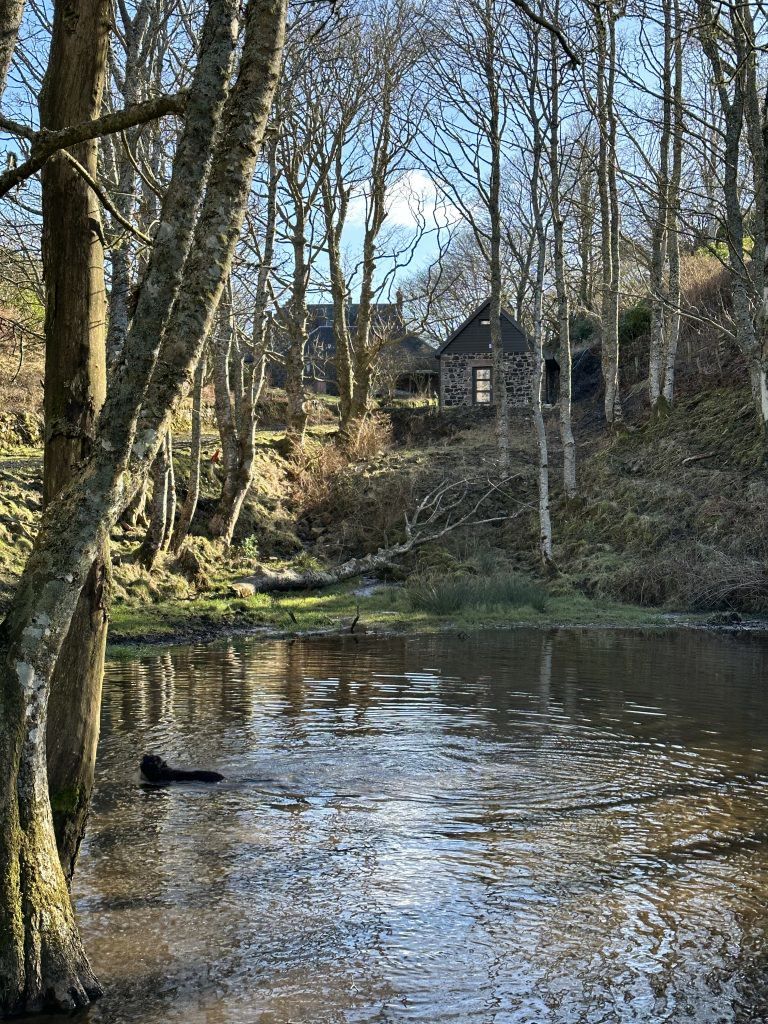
518 827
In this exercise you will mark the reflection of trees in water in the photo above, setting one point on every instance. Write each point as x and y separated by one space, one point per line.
528 711
594 676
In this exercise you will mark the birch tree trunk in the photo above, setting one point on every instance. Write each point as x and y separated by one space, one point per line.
162 506
239 473
335 218
586 221
660 234
42 963
366 349
540 430
239 373
296 413
75 388
188 509
500 396
610 224
561 285
234 415
221 353
133 91
674 289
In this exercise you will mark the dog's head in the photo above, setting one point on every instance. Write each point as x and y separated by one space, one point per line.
152 765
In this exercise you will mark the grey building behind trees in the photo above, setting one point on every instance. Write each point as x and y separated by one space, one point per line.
466 363
405 363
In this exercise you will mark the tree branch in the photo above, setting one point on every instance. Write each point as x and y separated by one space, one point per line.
46 143
106 202
543 22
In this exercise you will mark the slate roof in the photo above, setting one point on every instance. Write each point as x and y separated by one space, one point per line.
321 314
410 346
474 336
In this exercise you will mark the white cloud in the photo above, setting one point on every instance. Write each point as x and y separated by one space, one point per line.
412 200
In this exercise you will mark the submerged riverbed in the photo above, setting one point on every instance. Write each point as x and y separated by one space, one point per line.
510 827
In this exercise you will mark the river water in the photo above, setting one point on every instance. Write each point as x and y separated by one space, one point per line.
511 827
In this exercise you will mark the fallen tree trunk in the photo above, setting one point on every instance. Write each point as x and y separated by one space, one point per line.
315 579
435 516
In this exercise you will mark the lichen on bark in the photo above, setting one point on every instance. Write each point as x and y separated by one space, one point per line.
42 962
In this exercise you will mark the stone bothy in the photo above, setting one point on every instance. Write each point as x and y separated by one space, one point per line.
466 372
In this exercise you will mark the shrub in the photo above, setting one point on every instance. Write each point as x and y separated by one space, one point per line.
369 438
634 323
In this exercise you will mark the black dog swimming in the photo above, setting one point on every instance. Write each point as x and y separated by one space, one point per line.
155 770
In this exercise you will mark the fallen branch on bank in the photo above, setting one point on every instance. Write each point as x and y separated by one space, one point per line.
697 458
437 514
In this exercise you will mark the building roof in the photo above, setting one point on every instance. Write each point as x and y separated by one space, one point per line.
474 336
321 314
409 347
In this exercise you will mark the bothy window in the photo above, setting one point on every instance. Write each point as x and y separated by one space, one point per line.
482 386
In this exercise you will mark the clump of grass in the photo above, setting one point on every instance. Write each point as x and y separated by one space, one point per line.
448 594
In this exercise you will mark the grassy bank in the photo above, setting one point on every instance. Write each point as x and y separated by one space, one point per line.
381 609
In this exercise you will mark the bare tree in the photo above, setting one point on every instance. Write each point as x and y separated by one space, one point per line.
473 60
141 36
728 38
240 367
674 289
665 239
561 284
468 55
302 171
605 17
42 962
75 388
394 46
537 119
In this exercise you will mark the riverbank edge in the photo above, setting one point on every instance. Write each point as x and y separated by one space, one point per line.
340 612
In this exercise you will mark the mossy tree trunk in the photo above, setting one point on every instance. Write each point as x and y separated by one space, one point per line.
188 509
10 20
42 963
75 388
162 507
